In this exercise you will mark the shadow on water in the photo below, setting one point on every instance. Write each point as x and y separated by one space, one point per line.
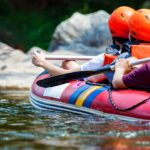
24 127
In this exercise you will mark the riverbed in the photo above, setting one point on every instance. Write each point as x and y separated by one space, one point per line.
24 127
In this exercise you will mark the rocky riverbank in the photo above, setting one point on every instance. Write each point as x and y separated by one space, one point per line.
16 69
79 35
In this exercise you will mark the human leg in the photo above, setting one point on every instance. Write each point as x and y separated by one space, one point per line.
69 64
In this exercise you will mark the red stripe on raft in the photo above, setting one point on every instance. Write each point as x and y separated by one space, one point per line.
129 97
39 91
102 103
97 103
122 98
74 85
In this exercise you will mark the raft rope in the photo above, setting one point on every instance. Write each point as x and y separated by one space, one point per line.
123 109
111 98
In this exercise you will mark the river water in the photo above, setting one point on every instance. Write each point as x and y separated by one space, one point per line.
26 128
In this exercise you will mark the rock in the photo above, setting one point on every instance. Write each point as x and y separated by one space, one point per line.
16 69
86 34
5 47
80 34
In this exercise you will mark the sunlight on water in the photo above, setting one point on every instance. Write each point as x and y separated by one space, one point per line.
24 127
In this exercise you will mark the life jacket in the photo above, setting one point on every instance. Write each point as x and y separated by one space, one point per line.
108 59
140 51
112 52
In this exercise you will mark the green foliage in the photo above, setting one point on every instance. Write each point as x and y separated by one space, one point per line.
26 23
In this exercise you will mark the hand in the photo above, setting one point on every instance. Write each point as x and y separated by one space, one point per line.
132 59
123 64
38 59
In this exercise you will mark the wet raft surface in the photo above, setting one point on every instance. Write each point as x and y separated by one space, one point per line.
24 127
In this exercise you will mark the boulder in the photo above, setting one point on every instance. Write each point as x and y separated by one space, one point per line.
80 34
86 34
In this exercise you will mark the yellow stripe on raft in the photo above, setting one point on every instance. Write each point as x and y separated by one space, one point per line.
85 94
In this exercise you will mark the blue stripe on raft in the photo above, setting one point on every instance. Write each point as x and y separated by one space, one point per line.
75 95
92 96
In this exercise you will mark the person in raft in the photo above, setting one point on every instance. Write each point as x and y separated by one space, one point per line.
139 26
118 25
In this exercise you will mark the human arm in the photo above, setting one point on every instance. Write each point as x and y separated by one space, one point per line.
38 59
121 67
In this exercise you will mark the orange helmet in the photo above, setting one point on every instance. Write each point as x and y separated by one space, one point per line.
139 25
118 21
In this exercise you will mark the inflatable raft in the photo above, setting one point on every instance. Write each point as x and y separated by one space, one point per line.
84 98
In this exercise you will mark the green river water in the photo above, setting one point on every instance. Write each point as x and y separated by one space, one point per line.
23 127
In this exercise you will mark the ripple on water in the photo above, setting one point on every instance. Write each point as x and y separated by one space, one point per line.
24 127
